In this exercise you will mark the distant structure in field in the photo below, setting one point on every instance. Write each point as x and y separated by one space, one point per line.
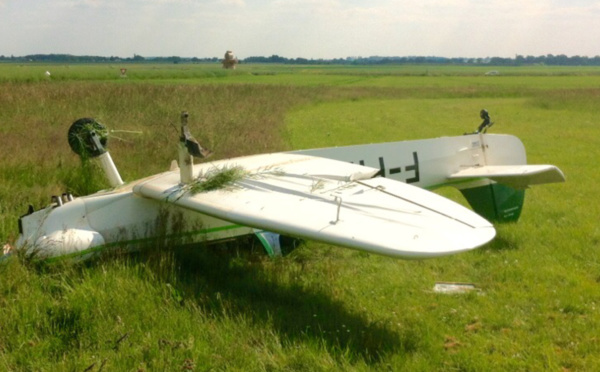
230 61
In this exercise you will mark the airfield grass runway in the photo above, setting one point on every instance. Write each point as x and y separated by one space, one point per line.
321 308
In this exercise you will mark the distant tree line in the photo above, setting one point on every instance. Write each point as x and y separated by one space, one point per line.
519 60
68 58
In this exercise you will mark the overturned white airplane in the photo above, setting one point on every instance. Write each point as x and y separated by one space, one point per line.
368 197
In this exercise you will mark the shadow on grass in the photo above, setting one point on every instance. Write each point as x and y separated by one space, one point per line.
499 244
222 282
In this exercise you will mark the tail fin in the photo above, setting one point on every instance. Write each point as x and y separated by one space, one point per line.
496 202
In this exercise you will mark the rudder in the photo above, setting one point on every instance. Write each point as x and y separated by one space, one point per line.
496 202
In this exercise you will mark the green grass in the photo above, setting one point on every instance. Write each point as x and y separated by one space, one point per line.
217 178
322 308
413 76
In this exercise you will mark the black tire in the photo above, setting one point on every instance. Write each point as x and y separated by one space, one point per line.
80 137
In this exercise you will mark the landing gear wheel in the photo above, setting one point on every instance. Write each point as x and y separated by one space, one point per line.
81 137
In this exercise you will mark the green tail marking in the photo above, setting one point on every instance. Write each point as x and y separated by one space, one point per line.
496 202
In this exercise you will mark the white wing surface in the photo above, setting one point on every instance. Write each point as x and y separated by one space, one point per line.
330 201
518 176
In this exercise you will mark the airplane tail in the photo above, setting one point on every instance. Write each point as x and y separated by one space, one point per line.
501 195
490 170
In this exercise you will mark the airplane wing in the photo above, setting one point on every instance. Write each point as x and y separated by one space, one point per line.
517 176
331 201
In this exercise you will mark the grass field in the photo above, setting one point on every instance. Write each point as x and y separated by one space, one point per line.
321 308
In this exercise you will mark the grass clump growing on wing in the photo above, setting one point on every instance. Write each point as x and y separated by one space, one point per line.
224 177
217 178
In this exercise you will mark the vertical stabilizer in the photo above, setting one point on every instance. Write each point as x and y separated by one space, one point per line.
496 202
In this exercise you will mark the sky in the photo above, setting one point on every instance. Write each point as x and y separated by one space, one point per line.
301 28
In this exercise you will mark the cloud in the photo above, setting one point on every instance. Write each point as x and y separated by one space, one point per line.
240 3
301 28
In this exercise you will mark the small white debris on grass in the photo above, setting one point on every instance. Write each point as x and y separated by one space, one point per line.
454 288
6 249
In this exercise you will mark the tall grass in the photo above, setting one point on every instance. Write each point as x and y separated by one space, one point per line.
322 307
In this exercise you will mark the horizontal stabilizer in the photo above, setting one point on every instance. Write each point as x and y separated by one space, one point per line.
517 176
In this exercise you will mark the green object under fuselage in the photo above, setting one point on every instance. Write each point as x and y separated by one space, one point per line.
496 202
